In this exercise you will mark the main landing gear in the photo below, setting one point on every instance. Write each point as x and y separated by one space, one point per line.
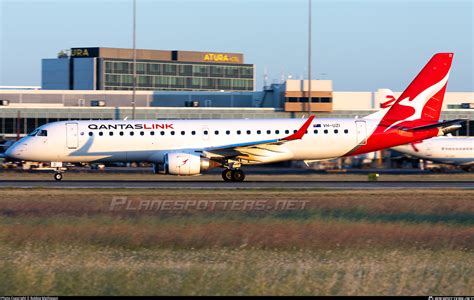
236 175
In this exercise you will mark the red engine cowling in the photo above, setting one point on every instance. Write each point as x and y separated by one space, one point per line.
185 164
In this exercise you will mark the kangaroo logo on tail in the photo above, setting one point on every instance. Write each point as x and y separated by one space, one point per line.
419 102
415 114
422 101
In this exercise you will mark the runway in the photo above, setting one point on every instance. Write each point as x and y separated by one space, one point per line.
220 185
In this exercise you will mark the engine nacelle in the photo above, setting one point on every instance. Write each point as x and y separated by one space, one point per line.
185 164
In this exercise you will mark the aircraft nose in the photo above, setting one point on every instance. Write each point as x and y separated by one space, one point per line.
9 151
15 151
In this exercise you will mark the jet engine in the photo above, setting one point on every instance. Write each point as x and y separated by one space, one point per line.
185 164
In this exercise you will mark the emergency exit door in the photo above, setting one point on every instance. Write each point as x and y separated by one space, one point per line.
72 137
361 132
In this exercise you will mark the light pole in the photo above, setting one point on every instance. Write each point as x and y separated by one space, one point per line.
309 57
134 80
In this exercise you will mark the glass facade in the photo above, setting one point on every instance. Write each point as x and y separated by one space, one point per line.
177 76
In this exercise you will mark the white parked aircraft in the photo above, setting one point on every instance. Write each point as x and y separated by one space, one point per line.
444 149
189 147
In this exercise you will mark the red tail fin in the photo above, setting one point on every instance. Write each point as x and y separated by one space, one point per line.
422 101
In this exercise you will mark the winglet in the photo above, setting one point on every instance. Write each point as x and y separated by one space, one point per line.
301 132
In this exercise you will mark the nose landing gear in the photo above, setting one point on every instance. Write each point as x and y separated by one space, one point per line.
58 176
235 175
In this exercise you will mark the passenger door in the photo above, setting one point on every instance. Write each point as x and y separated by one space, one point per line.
361 132
72 136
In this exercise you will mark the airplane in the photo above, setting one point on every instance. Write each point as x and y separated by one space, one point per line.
451 150
190 147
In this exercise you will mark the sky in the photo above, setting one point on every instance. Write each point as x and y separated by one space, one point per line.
360 45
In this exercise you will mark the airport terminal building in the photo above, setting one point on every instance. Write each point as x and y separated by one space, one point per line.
96 83
102 68
22 110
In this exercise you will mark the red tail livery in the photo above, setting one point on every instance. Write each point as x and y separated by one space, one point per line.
419 105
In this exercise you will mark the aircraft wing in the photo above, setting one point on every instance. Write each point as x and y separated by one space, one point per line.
261 150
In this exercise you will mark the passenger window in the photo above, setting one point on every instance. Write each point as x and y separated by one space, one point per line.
216 132
326 131
111 133
227 132
315 131
346 131
259 131
183 133
193 132
101 133
142 133
162 133
238 131
277 131
287 131
132 133
91 134
249 132
121 133
152 133
294 131
172 132
206 132
268 132
336 131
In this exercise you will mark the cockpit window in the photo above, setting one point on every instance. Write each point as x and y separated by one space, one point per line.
42 133
34 132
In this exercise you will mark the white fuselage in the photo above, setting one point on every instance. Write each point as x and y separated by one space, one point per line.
150 140
444 149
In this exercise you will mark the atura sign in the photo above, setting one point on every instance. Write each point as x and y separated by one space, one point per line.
84 52
218 57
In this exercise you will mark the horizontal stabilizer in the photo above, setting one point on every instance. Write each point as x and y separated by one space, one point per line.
437 125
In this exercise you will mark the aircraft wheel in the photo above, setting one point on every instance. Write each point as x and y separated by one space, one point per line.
238 175
58 176
227 175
